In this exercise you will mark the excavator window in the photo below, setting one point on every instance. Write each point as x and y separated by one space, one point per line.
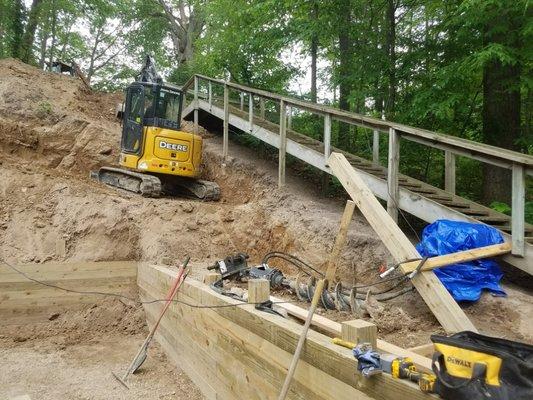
133 113
162 107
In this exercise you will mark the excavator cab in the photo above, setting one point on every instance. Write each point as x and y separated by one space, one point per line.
151 137
149 105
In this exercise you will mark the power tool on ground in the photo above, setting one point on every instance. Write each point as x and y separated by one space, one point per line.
371 362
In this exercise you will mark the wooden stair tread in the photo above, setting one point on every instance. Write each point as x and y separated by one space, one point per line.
464 206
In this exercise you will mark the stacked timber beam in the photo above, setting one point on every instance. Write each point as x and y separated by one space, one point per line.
233 351
21 298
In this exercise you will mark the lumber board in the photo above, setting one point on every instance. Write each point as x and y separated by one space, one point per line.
20 296
232 357
446 310
459 257
333 329
266 341
70 266
425 350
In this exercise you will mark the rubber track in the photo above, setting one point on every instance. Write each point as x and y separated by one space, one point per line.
147 185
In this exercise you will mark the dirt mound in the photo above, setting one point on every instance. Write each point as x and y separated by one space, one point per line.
53 132
54 120
80 324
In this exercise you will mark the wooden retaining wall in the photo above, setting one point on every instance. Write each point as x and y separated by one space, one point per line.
22 300
242 353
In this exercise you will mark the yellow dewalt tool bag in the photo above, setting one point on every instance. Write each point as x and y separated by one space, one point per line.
470 366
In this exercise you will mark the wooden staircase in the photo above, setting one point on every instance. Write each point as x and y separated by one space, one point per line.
415 197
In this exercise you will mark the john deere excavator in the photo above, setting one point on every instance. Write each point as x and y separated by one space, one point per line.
158 158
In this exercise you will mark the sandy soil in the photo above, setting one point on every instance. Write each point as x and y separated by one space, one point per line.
72 357
53 132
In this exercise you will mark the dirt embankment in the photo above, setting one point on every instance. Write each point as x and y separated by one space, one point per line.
53 132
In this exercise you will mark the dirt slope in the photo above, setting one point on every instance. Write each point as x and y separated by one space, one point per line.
53 132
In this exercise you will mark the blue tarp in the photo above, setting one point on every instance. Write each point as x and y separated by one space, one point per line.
464 281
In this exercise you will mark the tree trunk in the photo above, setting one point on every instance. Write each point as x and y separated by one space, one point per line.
391 54
501 107
345 59
314 55
17 28
29 34
54 33
44 39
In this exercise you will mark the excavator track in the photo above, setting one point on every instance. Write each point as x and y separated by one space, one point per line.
147 185
153 186
204 190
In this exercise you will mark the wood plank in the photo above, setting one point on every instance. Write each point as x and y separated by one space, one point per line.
441 303
282 144
449 172
459 257
318 351
327 137
70 266
258 290
359 331
225 129
393 170
251 111
333 329
518 210
425 350
375 147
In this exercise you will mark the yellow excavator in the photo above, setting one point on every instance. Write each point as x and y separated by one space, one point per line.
158 158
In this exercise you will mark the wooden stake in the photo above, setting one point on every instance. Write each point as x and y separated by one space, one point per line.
459 257
322 283
258 290
211 277
360 331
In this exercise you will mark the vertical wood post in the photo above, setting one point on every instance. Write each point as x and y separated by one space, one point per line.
196 105
258 290
211 277
242 101
518 210
282 143
225 137
375 147
251 110
392 177
210 94
327 137
262 107
359 331
289 118
449 172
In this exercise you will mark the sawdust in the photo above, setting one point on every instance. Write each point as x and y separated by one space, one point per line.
53 132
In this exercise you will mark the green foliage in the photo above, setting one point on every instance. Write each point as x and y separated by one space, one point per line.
506 209
44 109
501 207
